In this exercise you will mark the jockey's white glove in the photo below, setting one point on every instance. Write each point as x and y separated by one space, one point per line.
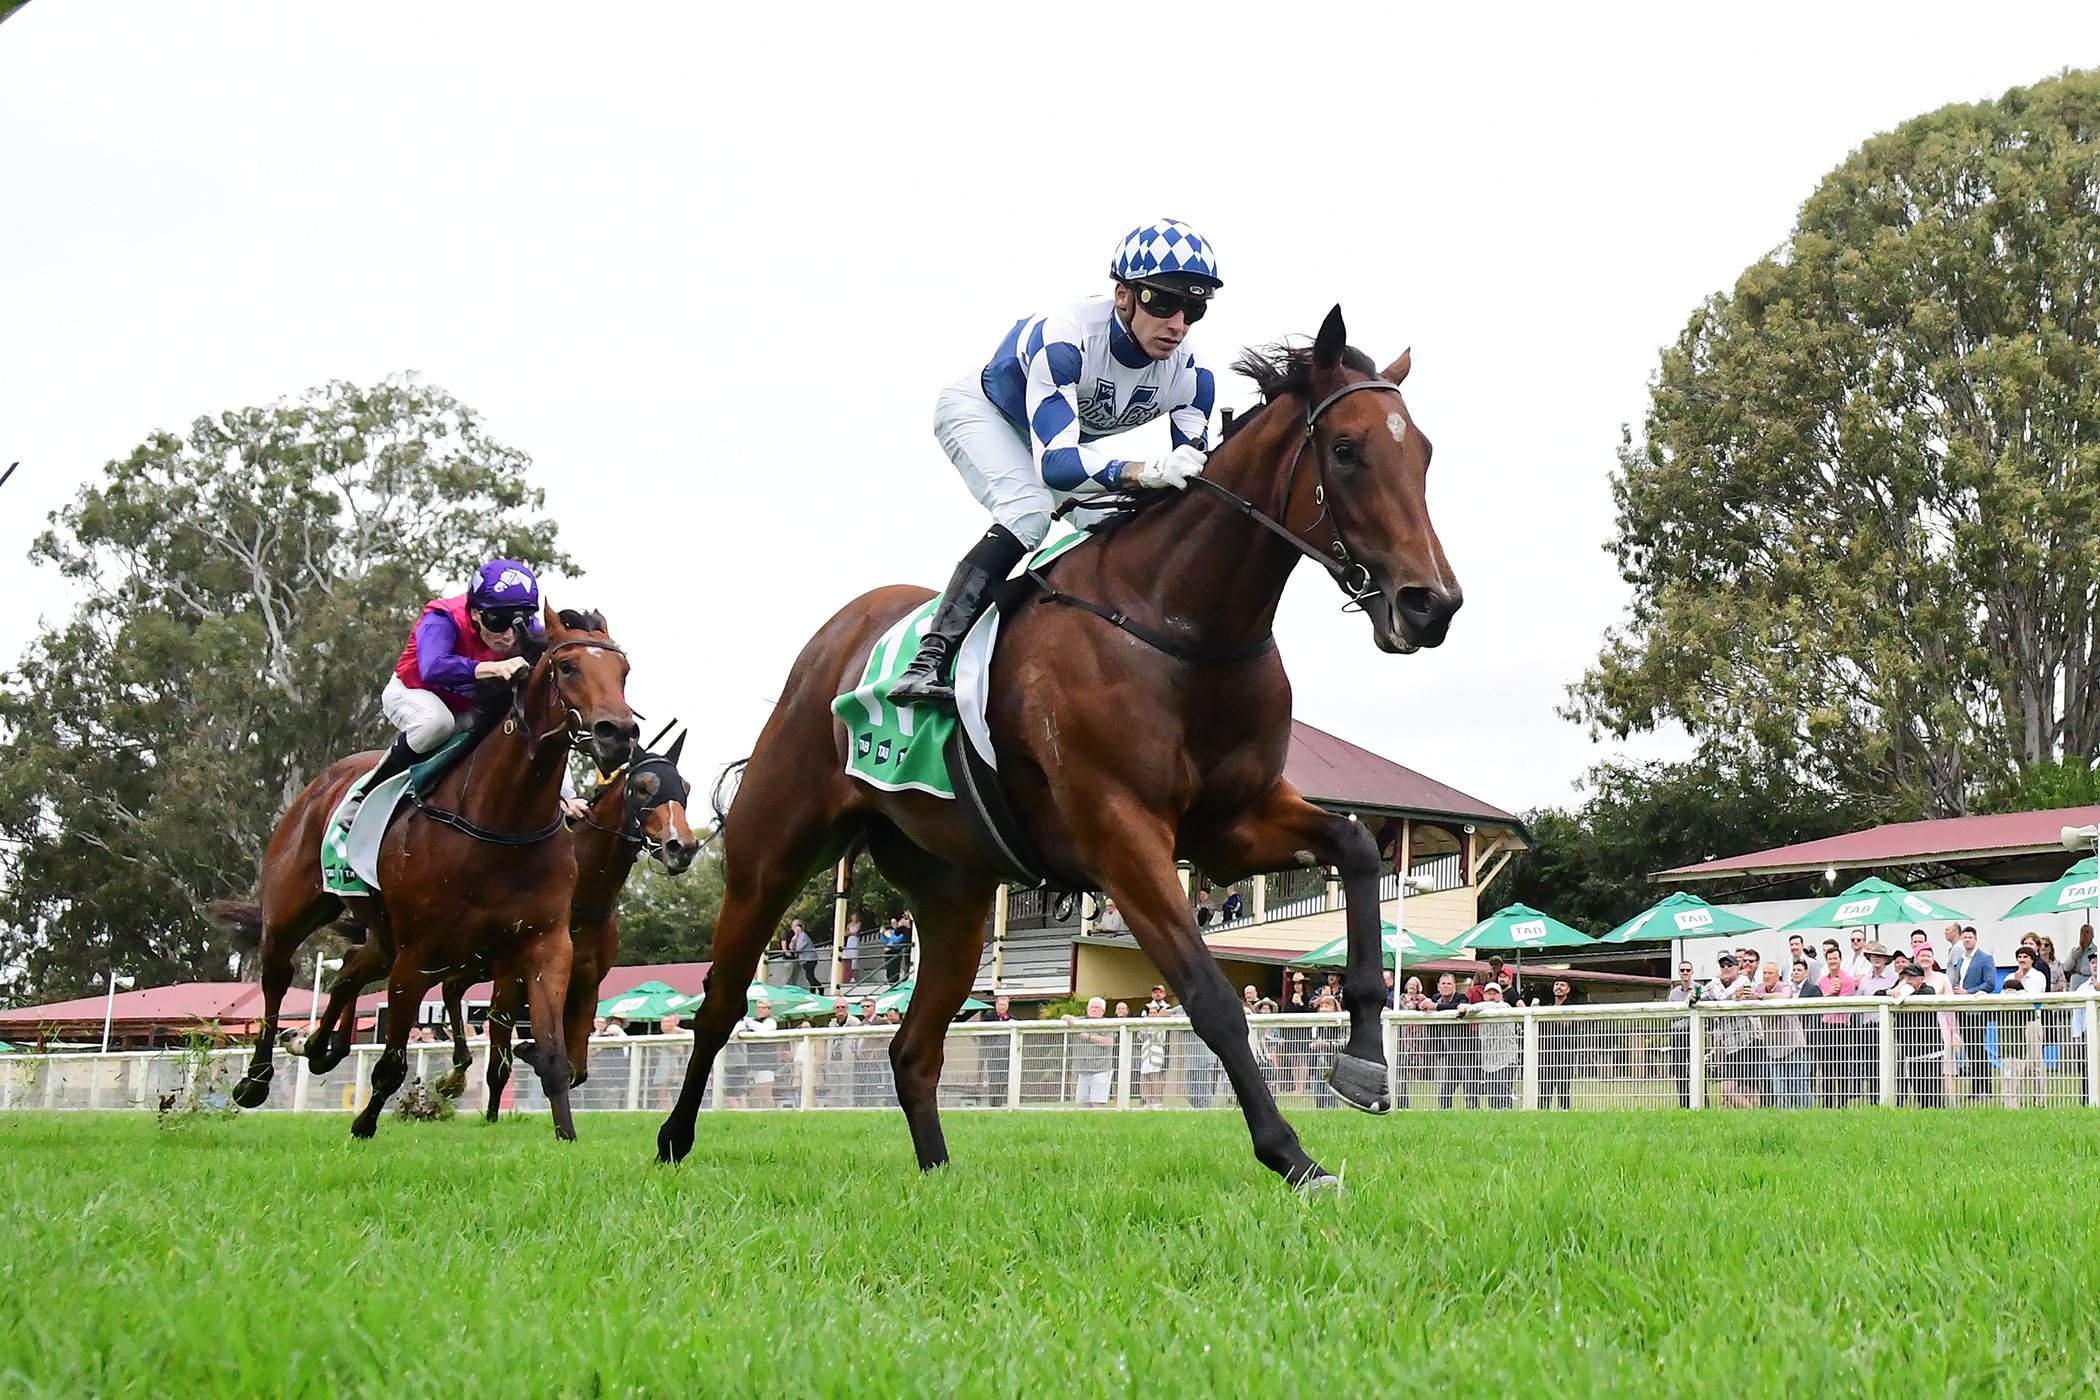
1173 470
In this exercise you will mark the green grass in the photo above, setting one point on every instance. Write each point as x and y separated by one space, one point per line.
1865 1252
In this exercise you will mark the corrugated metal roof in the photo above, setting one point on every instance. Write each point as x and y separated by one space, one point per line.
1331 770
185 1002
1899 843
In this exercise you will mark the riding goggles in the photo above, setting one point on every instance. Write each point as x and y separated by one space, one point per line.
1158 301
500 620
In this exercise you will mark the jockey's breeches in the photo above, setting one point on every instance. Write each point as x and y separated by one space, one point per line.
427 720
994 458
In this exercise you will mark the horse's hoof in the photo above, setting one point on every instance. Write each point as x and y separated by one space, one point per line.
252 1090
360 1127
1361 1083
1318 1186
671 1147
451 1086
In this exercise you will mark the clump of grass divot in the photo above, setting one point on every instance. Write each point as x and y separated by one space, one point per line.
419 1103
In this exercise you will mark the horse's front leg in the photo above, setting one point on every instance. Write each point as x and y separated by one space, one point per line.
1132 855
454 1082
546 966
1284 830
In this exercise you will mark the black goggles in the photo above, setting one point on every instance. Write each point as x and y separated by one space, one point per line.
505 619
1158 301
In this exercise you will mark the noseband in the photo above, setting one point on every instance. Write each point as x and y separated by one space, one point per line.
571 717
635 808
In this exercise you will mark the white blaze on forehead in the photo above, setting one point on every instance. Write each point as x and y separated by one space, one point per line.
600 651
1397 426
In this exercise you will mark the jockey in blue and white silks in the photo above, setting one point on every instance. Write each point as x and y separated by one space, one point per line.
1023 430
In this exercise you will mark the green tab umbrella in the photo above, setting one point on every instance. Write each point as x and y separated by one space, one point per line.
899 997
1874 902
1399 945
2078 889
1682 915
1519 927
651 1001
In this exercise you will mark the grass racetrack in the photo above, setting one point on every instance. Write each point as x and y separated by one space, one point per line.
1864 1252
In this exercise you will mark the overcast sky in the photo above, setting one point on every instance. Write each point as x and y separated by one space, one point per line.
709 266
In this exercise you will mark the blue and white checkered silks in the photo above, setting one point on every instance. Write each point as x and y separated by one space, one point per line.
1166 245
1072 376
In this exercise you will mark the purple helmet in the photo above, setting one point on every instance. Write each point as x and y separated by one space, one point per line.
504 583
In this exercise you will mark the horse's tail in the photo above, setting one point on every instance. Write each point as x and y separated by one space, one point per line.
240 918
725 790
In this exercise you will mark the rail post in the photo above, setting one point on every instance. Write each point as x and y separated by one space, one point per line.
1695 1052
1885 1052
306 1075
809 1071
51 1078
1013 1067
716 1074
2092 1046
1391 1030
634 1077
1528 1092
1122 1067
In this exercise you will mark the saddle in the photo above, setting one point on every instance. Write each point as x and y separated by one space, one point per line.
350 851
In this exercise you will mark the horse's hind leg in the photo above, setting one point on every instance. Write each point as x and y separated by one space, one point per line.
277 951
503 1017
453 1082
404 994
331 1041
951 904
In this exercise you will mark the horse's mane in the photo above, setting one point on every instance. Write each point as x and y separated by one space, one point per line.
588 620
1283 369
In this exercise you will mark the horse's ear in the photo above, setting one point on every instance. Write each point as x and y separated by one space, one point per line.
677 748
1333 339
1397 370
549 618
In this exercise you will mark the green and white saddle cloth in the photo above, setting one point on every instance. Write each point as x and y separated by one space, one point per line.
899 749
350 852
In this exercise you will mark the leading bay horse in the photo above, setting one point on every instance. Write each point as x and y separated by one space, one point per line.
1146 720
479 870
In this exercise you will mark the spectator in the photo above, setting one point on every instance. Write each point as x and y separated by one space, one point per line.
1881 975
872 1085
1785 1043
896 946
1557 1049
1830 1038
1149 1048
1738 1056
1750 964
1856 964
1685 992
1506 979
1122 1011
2081 961
1476 993
1803 980
761 1059
1232 907
1158 1003
1390 1003
615 1027
2020 1031
1726 975
1797 950
1206 915
1450 1044
996 1052
1920 1055
1093 1056
1248 998
1326 1040
1415 1058
1501 1047
2049 967
802 955
1919 938
1294 1062
849 951
1971 972
1332 989
1933 982
1263 1041
1111 920
597 1025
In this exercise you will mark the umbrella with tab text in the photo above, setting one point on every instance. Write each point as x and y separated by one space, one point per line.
1682 915
2078 889
1874 902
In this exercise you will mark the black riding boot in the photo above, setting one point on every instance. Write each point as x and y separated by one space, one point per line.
929 678
398 759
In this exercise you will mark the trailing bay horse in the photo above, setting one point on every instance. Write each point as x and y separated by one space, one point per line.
471 874
1140 714
643 809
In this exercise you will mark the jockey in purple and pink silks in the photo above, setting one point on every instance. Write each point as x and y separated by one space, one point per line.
458 641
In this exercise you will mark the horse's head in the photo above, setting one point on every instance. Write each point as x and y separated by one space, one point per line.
1372 468
583 679
655 812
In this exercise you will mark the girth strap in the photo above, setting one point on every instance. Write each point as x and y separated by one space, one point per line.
1157 640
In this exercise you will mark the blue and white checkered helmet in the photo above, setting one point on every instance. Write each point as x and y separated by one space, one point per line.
1170 253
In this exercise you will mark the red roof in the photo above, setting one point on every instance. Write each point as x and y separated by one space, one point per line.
1336 772
228 1003
1902 843
688 978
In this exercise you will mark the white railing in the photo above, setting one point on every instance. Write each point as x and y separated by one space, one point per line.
1931 1051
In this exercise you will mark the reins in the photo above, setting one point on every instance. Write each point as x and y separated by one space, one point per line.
1348 574
571 720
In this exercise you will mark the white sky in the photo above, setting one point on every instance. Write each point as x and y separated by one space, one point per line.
709 265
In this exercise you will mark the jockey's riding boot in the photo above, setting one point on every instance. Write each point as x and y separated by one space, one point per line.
929 679
398 759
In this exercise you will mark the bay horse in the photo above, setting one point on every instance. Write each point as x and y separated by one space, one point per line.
1146 720
642 810
469 874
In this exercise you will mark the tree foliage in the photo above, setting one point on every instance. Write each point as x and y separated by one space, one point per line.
1590 866
1859 522
245 587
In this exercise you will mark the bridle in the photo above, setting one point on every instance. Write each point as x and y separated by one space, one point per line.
1349 575
634 807
571 720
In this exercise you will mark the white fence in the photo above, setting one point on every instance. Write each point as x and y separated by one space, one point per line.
1930 1051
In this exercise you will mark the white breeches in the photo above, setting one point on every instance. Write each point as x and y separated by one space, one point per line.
420 714
994 458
